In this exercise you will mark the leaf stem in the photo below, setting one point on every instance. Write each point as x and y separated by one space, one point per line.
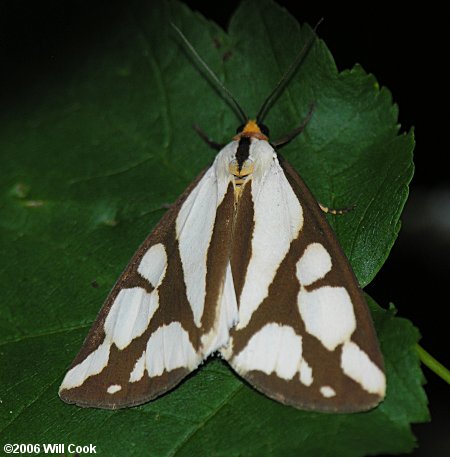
428 360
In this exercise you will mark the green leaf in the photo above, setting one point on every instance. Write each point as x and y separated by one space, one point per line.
87 167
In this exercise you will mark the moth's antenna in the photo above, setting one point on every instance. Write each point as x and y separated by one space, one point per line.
286 77
220 85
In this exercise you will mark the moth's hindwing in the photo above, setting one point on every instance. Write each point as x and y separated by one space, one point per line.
305 335
158 322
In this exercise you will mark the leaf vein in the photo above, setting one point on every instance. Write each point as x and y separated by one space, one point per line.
22 338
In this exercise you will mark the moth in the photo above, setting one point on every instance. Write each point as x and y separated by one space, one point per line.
245 265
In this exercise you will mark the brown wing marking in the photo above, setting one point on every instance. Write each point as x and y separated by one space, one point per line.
280 306
174 307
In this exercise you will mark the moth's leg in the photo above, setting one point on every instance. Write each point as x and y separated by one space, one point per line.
338 211
207 139
291 135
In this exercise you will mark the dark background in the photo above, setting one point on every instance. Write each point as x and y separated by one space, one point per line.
406 50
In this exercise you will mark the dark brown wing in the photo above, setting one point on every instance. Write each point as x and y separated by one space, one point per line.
309 342
146 337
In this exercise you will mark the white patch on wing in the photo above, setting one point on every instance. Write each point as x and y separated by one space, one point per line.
93 364
194 228
138 369
153 265
226 317
274 348
127 319
169 348
130 315
278 220
314 264
227 351
327 391
306 377
328 315
356 365
113 388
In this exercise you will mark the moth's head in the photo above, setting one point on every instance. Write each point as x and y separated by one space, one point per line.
252 129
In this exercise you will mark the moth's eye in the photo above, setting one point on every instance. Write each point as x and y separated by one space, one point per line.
240 128
264 129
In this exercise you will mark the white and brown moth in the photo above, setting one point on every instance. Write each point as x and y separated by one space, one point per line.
246 265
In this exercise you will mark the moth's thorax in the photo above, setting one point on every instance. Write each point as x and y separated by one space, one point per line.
241 171
244 160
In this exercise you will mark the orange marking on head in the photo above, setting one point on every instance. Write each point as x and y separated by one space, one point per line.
251 129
